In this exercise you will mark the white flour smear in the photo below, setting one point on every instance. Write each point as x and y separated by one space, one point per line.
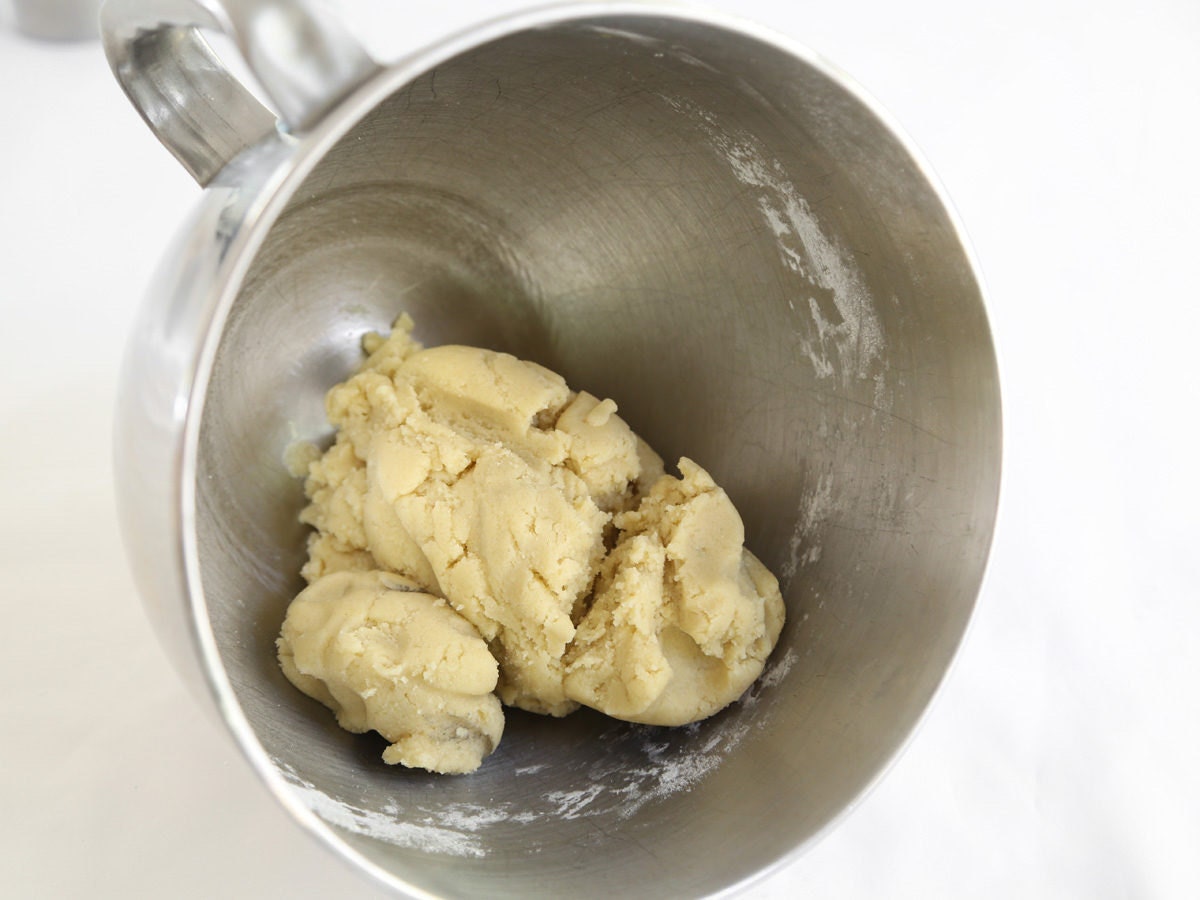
816 507
389 828
848 339
666 766
643 765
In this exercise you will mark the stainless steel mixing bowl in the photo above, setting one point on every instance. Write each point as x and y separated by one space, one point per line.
686 213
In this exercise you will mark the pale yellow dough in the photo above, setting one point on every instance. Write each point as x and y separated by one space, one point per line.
548 526
386 657
683 617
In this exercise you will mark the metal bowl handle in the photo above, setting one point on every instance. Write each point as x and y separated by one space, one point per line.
302 55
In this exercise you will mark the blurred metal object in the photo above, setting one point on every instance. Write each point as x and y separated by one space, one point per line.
302 56
58 20
681 211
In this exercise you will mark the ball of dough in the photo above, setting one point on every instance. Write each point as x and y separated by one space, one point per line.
574 570
388 658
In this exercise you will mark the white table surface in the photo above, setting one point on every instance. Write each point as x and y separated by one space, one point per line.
1061 759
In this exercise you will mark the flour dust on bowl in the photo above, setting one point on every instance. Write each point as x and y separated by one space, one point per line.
685 213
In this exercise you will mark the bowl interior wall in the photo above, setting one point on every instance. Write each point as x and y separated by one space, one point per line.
739 253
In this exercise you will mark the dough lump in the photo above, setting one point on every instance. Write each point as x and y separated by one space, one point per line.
389 658
683 617
486 481
589 575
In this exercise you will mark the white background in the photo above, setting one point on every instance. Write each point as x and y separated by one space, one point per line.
1061 759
